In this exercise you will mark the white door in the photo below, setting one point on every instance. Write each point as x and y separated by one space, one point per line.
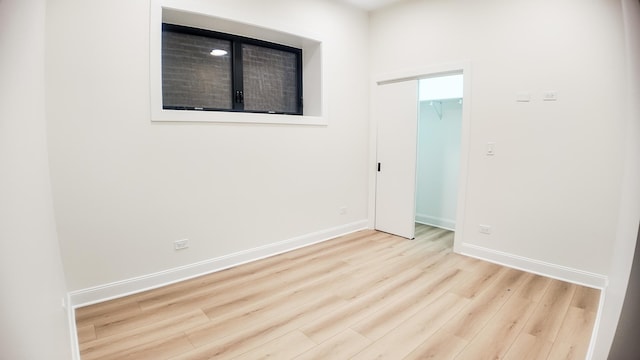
395 111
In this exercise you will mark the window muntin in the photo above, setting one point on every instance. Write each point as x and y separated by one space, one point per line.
254 75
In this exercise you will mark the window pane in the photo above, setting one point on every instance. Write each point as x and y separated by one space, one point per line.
270 82
191 76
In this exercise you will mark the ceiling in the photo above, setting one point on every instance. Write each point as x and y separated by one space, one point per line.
371 4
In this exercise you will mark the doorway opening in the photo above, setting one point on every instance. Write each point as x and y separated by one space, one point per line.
438 150
396 203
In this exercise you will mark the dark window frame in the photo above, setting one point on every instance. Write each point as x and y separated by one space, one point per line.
237 92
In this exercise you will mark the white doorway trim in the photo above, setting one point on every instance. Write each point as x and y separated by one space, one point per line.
463 67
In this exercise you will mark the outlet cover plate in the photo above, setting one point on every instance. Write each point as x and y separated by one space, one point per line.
181 244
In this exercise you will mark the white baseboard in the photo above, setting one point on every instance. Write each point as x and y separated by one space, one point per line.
73 330
596 325
443 223
554 271
146 282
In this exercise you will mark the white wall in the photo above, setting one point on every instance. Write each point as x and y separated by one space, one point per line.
624 242
32 319
124 188
552 190
438 163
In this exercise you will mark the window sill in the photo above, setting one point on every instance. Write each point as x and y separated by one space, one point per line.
163 115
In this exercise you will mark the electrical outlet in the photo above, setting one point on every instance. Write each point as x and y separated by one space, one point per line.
485 229
550 96
181 244
523 97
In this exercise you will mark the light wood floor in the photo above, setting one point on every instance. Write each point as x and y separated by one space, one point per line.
367 295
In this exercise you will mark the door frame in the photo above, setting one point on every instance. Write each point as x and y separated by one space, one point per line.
464 68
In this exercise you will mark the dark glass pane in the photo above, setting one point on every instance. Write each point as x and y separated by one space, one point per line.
269 79
191 76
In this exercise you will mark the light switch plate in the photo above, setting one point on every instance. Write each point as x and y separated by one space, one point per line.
491 149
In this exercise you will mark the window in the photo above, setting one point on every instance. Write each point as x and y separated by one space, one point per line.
213 71
199 17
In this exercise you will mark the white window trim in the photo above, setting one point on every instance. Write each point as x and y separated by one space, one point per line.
180 13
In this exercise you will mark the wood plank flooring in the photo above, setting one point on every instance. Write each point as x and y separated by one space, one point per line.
367 295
